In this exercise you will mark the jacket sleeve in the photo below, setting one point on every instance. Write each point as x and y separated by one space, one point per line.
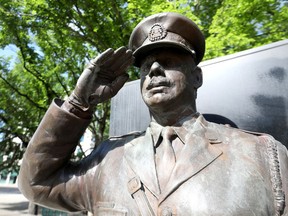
47 176
283 161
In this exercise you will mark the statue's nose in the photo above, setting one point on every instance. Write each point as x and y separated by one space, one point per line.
156 70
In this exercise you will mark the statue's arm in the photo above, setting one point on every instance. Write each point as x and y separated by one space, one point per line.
46 176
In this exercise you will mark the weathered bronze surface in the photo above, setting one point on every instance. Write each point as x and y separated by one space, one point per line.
181 165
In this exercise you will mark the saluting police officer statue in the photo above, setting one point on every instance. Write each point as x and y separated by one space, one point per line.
181 165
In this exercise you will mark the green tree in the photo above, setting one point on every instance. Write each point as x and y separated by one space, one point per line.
240 25
55 39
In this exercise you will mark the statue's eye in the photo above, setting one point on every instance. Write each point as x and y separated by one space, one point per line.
169 63
145 68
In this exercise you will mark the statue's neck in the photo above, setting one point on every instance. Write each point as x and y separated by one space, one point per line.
169 118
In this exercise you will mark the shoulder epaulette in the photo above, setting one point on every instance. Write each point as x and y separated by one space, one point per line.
133 133
253 132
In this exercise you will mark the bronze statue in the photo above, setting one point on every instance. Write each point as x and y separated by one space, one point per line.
181 165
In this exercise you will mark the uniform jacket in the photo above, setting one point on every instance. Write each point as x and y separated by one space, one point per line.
221 171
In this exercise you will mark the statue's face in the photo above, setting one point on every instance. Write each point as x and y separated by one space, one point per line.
167 78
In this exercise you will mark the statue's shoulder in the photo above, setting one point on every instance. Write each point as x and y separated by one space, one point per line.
232 135
115 144
263 138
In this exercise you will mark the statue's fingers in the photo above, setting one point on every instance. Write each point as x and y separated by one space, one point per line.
124 66
117 84
103 57
105 92
117 56
106 75
124 57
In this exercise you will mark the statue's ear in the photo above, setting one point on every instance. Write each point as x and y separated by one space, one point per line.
198 78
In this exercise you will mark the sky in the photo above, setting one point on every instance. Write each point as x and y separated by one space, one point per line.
9 51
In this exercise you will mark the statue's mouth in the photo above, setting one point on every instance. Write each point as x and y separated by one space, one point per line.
158 83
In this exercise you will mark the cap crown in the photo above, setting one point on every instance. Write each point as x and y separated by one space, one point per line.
167 30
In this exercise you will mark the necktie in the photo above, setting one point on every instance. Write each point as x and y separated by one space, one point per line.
165 157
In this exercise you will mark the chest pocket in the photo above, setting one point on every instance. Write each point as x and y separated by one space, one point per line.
109 208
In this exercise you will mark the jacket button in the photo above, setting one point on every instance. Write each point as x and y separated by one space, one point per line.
166 212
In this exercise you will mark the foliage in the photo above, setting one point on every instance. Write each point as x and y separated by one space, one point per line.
55 39
240 25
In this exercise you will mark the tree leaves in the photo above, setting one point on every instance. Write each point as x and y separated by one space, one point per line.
240 25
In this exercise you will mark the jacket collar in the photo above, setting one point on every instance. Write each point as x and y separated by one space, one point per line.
181 128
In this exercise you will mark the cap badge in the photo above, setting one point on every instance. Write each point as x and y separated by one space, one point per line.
157 32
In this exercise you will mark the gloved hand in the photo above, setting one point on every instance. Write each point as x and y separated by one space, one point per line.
102 79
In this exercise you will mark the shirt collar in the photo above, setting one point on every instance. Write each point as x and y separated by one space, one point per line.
181 127
155 131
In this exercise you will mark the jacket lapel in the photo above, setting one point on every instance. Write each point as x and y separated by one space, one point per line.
196 154
139 154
